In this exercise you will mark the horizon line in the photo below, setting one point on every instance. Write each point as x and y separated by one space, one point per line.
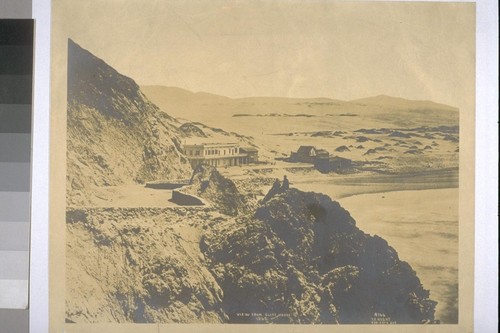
303 98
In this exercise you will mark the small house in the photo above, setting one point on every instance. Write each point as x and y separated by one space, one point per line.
305 154
333 164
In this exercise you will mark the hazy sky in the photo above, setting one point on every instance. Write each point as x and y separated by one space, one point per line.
283 48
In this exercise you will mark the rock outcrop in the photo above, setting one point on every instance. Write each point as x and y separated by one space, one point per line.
191 130
301 259
207 183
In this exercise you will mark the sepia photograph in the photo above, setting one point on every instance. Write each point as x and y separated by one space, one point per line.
262 162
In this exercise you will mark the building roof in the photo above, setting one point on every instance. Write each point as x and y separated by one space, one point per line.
338 158
323 152
192 143
305 149
249 149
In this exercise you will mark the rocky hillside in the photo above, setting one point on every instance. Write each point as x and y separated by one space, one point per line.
297 258
115 134
139 265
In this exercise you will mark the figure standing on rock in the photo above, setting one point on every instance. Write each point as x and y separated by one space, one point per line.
275 189
286 184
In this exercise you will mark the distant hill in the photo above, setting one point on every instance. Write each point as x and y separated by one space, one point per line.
401 103
215 110
290 100
203 106
115 134
162 95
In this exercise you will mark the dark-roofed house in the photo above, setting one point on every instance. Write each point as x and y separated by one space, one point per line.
333 164
305 154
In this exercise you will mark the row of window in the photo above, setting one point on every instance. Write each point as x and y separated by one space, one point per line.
230 151
191 153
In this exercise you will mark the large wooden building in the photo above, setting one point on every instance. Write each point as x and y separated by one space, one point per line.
219 154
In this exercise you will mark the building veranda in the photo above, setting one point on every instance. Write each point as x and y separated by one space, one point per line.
219 154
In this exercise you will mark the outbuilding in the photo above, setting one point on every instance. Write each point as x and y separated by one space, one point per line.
333 164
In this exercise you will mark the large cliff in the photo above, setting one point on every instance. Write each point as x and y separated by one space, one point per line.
114 134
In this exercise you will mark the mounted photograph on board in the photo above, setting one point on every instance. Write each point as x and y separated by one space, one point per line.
256 163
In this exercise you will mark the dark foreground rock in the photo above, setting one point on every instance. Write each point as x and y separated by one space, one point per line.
301 259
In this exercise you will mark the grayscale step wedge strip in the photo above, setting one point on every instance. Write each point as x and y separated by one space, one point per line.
17 263
15 147
15 118
14 236
14 207
15 177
